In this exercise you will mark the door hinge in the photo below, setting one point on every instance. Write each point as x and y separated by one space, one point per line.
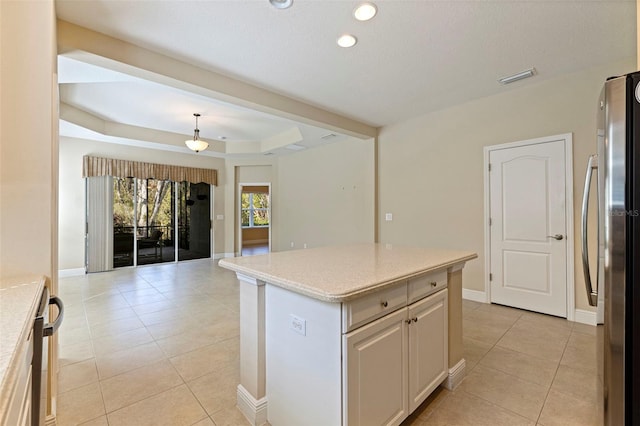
490 222
489 166
490 277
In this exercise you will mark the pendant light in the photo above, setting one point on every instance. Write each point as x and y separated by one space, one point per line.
281 4
196 144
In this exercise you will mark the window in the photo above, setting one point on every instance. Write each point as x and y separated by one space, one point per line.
255 210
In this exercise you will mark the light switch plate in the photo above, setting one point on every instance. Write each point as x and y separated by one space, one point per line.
388 217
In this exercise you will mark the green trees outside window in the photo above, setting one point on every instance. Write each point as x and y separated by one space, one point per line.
255 210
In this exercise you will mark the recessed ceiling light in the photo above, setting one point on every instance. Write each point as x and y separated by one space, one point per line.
281 4
347 40
519 76
365 11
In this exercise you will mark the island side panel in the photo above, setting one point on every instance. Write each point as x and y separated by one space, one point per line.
303 359
252 388
456 350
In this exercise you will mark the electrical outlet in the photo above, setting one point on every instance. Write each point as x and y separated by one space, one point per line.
305 245
220 217
292 245
388 217
297 324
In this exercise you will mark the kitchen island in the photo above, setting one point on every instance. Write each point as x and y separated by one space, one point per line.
347 335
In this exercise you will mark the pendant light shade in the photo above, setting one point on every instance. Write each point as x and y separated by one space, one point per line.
281 4
196 144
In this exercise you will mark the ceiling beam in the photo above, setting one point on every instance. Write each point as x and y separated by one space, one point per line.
99 49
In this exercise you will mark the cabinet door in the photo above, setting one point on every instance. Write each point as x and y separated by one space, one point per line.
428 354
375 373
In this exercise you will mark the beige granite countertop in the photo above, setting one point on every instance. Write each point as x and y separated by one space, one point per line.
19 300
342 273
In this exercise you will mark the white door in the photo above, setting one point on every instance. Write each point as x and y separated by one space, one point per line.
528 233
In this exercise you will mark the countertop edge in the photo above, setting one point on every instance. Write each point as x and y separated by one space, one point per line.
303 289
11 374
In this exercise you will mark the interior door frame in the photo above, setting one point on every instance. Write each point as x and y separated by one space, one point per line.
568 168
239 212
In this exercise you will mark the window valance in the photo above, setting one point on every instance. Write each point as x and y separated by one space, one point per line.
98 166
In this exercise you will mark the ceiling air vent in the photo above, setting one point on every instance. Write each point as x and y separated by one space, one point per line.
295 147
328 136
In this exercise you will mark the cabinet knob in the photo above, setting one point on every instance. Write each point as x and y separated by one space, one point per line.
384 304
415 319
433 283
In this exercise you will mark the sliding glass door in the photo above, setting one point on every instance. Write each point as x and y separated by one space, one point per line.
155 221
194 220
152 218
123 221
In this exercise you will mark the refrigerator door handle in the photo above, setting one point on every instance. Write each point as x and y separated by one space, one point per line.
51 328
592 296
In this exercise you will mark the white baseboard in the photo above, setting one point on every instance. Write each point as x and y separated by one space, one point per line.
585 317
255 410
223 255
475 295
63 273
456 374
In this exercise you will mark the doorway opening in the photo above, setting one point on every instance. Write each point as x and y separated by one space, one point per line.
255 219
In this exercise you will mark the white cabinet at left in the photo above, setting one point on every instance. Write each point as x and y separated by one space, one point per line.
19 302
19 409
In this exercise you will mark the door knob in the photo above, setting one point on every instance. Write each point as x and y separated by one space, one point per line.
557 236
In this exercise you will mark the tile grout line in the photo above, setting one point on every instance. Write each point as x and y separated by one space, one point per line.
516 377
554 377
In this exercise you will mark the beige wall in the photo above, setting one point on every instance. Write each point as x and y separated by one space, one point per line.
320 196
431 167
72 200
325 196
28 139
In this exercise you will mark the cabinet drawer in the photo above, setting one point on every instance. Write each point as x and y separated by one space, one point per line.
427 284
365 309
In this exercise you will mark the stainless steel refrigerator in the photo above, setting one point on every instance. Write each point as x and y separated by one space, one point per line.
614 284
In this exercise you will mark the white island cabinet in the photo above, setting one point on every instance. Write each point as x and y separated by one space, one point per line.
349 335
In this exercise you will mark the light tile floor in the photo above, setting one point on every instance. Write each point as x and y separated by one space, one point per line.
158 345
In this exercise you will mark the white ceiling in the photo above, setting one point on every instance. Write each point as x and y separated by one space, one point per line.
413 57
